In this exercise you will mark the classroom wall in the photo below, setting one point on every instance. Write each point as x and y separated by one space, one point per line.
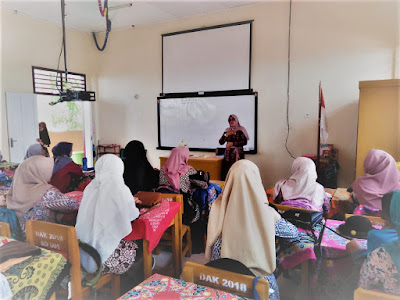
336 43
27 42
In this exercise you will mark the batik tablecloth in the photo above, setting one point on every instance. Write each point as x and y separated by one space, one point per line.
165 287
152 223
35 277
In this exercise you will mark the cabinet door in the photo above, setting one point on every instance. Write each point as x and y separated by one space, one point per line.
378 121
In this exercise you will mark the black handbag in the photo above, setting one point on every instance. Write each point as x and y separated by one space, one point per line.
303 218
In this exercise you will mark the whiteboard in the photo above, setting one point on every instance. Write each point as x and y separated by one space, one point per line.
207 59
201 121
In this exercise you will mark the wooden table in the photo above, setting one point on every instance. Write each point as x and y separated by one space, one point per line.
150 227
211 164
165 287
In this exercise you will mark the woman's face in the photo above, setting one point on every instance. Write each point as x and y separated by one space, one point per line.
41 126
232 121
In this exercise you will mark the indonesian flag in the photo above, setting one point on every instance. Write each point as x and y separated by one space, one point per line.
323 122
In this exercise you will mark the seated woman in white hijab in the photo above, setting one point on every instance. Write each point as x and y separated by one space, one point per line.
301 189
242 226
104 218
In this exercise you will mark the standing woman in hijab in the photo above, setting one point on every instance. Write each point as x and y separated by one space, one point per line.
139 175
44 134
235 137
302 189
242 226
65 170
382 176
104 218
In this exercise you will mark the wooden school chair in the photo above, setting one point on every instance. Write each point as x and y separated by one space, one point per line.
5 230
61 238
363 294
174 236
235 283
305 266
374 220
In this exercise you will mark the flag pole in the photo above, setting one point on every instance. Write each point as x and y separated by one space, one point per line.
319 126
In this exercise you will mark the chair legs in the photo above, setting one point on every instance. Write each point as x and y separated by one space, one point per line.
115 286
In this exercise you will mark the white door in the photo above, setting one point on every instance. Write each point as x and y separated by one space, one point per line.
23 128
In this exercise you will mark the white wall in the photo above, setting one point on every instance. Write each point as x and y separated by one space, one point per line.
337 43
26 42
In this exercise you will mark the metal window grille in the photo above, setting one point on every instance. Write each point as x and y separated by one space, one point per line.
51 82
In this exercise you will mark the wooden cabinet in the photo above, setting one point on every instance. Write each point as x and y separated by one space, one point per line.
210 164
378 119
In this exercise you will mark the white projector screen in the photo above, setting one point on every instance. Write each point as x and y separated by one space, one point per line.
201 121
207 59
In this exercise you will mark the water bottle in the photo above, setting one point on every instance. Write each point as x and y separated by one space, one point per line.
84 163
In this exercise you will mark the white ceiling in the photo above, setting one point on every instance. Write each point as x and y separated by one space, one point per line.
84 15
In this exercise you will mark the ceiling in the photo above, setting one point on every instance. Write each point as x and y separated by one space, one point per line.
84 15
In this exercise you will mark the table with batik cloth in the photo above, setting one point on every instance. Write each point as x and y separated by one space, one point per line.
165 287
150 226
333 246
37 277
7 171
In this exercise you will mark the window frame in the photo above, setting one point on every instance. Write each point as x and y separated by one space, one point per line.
61 74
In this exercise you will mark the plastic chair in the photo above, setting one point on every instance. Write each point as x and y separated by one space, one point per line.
63 239
363 294
235 283
5 230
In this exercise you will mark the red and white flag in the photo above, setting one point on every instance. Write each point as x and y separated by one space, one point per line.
323 133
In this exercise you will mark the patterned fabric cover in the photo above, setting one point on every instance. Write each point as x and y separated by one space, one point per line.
34 278
152 223
165 287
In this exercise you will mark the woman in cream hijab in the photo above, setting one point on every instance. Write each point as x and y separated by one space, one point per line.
104 218
242 225
302 189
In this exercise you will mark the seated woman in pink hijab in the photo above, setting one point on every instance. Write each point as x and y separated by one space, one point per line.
174 177
381 176
302 189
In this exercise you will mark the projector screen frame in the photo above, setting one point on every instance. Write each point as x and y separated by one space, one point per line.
208 95
250 22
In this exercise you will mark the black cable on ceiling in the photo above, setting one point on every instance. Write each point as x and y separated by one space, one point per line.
108 26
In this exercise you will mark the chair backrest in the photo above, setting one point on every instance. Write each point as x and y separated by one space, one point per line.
5 229
363 294
238 284
59 238
374 220
176 198
285 208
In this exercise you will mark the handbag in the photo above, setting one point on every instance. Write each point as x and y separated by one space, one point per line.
307 220
303 218
200 180
148 199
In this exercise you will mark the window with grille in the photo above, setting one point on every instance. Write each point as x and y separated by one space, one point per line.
51 82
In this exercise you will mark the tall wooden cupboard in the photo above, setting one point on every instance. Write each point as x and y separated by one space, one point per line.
378 119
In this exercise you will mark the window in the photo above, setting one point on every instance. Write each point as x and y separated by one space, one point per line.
48 81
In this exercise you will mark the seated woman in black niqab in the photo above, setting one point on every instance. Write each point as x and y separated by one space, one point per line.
139 175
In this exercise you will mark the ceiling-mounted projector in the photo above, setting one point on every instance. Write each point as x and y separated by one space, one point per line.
70 95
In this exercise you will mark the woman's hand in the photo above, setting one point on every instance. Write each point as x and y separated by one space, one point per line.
230 132
137 201
353 246
229 144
